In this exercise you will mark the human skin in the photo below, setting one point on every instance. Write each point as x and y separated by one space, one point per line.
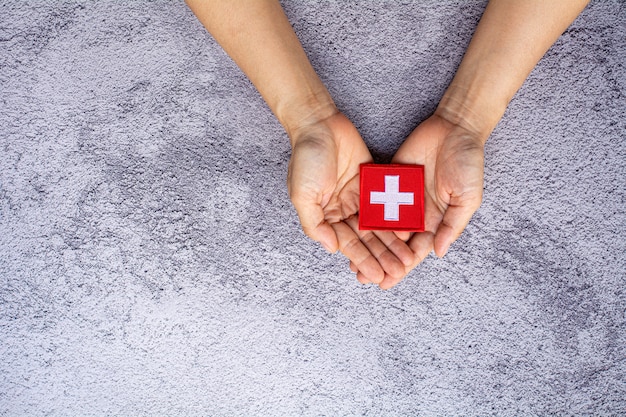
327 150
510 39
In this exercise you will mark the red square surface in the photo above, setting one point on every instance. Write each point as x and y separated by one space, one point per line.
392 197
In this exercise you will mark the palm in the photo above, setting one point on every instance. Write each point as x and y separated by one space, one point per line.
453 161
325 167
323 184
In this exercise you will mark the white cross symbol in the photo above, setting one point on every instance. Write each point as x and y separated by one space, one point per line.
392 198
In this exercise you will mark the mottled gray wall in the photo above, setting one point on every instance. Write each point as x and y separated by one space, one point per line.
151 263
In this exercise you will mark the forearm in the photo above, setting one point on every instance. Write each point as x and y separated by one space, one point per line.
510 39
258 37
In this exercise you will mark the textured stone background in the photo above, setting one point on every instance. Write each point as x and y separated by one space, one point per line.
151 263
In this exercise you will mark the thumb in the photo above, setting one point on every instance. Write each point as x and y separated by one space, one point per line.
452 225
310 181
315 225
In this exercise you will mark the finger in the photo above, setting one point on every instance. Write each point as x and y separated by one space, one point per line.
359 275
403 235
362 278
352 247
314 224
452 225
386 247
397 246
421 244
387 260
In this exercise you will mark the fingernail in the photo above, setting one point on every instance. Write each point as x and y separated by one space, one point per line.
327 247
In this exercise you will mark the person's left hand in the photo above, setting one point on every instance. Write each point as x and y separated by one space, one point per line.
453 180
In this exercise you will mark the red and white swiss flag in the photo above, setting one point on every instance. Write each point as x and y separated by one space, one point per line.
392 197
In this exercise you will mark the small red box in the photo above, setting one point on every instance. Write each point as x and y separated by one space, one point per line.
392 197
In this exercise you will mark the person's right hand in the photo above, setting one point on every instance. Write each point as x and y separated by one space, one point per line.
323 184
452 156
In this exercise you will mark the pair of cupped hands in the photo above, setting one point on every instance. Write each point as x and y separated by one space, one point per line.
323 184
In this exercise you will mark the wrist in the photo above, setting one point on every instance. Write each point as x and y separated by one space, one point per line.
473 105
297 113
